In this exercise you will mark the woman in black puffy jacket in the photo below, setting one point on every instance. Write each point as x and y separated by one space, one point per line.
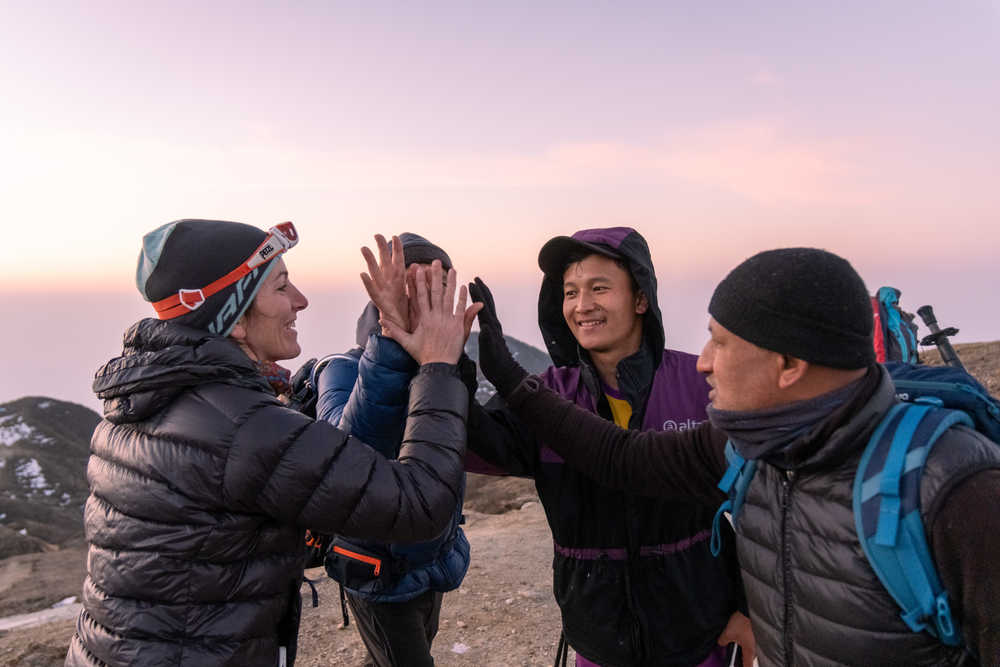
203 482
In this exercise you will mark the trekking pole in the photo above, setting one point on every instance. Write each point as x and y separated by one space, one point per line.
939 337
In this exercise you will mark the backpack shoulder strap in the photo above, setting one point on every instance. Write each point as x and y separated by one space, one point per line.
734 483
888 520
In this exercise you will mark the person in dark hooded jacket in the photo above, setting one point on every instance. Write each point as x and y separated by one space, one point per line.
203 482
634 577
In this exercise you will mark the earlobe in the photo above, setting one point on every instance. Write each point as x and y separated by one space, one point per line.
239 335
792 370
641 304
239 331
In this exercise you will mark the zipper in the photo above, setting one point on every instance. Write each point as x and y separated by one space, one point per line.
637 634
631 547
630 554
371 560
786 552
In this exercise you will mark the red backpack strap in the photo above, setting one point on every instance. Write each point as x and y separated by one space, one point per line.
879 342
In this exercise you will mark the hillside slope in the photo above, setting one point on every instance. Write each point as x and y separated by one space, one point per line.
982 360
44 445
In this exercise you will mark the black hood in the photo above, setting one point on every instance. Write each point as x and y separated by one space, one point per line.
622 242
160 359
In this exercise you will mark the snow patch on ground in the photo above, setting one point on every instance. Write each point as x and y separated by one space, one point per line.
39 617
13 429
29 474
44 404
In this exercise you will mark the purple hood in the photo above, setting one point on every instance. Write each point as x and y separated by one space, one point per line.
623 242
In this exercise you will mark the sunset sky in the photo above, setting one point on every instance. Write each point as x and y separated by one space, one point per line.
716 129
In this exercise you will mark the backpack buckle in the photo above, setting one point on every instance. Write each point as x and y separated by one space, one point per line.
942 619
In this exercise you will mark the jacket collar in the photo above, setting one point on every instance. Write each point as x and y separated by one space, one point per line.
160 359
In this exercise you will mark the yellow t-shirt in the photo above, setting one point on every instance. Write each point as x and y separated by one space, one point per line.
621 411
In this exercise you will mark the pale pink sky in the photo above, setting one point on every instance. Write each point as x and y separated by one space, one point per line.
716 129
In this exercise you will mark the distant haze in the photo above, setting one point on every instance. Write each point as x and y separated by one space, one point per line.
55 341
716 129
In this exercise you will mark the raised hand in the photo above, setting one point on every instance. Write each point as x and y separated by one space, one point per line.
385 281
441 329
495 359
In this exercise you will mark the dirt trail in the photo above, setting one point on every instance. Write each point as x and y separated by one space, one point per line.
502 615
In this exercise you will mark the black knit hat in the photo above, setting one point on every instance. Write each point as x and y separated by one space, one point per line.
418 250
182 258
803 302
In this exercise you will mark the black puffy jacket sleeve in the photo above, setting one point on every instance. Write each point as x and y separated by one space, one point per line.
322 478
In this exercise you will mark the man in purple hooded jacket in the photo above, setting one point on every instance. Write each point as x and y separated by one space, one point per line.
633 576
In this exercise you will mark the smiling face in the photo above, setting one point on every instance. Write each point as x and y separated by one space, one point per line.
601 307
742 375
267 330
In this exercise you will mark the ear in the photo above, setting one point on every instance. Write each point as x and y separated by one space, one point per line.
791 371
641 303
239 330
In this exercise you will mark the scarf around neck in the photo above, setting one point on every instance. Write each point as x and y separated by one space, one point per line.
772 433
279 377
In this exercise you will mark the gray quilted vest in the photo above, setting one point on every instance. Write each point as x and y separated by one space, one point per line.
814 598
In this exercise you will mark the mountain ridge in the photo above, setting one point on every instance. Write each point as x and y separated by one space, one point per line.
44 447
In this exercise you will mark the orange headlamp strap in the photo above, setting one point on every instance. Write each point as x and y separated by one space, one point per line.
281 238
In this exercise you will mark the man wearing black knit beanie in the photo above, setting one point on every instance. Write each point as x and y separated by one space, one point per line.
796 390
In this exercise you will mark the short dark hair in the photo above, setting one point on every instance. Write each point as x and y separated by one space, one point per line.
580 254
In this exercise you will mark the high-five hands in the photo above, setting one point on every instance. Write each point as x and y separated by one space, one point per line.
426 321
442 325
385 281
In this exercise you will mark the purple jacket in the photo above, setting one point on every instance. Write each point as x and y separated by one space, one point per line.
633 576
676 401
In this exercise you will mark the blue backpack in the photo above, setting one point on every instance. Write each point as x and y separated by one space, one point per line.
887 487
895 333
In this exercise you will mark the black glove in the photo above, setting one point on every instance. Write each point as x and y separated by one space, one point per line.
495 359
467 371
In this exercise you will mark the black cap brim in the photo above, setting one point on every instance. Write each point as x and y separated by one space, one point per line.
554 254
